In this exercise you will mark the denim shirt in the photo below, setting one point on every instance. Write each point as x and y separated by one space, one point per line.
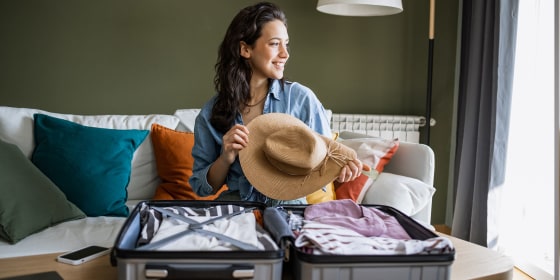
293 98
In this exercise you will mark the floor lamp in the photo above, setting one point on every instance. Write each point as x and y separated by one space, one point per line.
382 8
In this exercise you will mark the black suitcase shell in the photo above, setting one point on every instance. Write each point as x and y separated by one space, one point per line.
142 264
358 267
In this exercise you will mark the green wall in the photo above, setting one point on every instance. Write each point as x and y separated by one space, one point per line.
142 56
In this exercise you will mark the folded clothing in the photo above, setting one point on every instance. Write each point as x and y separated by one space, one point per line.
323 239
342 227
175 234
367 221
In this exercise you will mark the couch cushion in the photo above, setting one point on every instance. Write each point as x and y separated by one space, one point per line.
187 119
67 236
29 202
90 165
174 160
16 126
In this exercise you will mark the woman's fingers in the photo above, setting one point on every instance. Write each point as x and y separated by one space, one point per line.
236 139
351 171
355 169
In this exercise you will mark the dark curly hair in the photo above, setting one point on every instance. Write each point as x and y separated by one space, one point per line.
233 72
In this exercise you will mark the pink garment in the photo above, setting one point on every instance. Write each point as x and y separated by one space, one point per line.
323 239
346 213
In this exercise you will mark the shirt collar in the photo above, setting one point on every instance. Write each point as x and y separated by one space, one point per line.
275 89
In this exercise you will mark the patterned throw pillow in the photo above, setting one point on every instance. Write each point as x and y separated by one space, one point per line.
374 152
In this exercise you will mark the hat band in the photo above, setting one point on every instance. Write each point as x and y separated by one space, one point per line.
288 169
334 155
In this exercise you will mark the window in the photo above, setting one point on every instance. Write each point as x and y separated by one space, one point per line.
527 213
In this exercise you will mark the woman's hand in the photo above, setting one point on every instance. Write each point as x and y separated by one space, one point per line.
351 171
235 140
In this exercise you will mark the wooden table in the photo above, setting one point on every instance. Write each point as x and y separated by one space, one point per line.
471 262
99 268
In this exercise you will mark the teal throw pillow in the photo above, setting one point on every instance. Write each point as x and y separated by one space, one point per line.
90 165
29 201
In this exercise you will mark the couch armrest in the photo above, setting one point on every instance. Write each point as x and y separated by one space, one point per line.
416 161
413 160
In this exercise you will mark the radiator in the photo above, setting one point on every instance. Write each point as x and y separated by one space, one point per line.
404 127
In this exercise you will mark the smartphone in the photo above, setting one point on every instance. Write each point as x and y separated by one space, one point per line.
83 255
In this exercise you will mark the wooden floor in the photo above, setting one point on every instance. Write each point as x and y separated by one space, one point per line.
517 274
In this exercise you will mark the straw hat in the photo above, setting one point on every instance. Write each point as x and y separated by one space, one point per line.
286 160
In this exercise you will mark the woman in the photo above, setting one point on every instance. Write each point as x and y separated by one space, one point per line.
249 82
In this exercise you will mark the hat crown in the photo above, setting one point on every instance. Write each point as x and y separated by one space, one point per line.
295 150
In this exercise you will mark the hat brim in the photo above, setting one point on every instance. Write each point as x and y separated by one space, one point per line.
274 183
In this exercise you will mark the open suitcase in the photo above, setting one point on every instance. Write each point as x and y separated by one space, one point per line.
308 266
138 259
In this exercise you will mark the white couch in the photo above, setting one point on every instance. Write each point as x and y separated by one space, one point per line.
405 184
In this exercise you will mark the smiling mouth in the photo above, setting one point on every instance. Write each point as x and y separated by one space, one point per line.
279 64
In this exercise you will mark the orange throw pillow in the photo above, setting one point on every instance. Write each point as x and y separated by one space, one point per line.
174 161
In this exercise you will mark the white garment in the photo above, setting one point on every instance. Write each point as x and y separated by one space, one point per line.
241 227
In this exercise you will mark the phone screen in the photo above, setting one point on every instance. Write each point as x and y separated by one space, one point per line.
85 252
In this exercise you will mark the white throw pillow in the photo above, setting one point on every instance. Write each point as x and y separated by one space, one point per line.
406 194
16 126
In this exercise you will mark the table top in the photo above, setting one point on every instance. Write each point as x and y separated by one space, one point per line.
99 268
471 262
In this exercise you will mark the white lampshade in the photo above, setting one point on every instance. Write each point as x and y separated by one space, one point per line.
360 7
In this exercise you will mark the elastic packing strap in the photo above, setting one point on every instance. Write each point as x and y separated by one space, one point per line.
195 226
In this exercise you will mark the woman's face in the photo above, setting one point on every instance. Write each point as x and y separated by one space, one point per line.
269 53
